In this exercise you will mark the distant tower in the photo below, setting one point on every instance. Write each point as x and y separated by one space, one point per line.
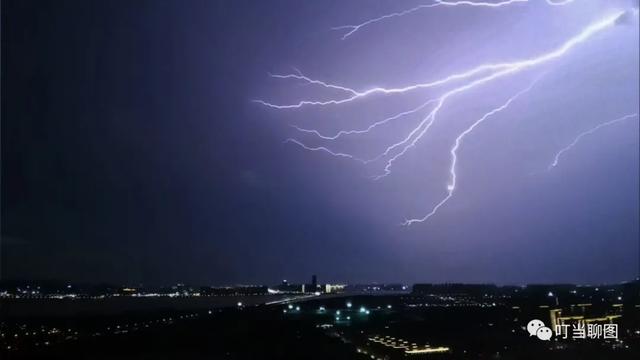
313 287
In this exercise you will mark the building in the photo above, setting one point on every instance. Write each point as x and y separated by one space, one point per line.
313 286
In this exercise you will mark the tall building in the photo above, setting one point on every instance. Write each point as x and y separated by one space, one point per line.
313 287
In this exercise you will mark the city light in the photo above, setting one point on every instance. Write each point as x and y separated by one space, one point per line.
428 350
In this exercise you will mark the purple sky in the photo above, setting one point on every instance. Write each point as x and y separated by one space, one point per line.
132 150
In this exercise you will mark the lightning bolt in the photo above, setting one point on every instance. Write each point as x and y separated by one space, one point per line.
498 70
324 149
378 90
453 177
369 128
466 81
507 69
575 141
299 76
352 29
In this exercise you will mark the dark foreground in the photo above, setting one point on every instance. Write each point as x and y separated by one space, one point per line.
337 328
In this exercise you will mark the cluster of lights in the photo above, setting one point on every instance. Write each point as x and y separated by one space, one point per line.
179 290
338 313
408 348
290 307
45 336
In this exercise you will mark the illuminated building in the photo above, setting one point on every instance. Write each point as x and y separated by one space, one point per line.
392 347
556 318
333 288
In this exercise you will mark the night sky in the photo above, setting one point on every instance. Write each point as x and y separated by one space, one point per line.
132 151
